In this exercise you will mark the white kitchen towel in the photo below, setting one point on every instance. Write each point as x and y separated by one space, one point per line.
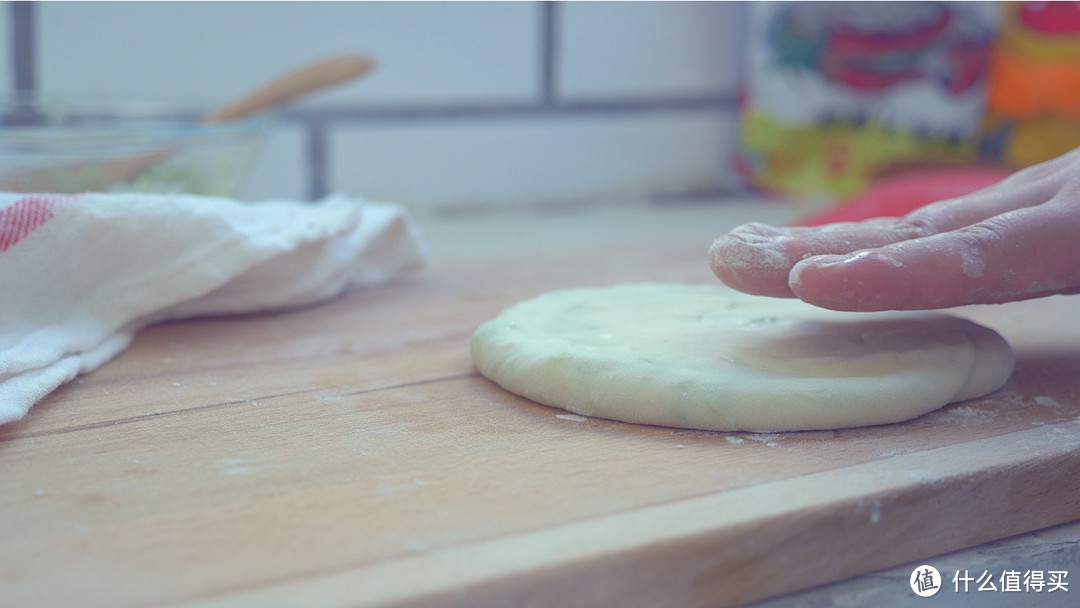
79 275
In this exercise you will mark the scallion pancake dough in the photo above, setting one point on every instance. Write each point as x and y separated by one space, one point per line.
705 357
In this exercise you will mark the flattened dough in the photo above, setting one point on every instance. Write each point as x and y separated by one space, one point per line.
705 357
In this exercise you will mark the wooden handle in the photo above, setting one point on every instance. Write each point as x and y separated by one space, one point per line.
305 80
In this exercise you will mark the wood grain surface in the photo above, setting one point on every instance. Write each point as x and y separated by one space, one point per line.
348 454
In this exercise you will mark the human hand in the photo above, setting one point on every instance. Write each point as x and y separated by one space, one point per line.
1015 240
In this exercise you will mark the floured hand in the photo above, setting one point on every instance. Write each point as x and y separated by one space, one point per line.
1015 240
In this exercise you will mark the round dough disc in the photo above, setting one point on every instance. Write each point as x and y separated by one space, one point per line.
705 357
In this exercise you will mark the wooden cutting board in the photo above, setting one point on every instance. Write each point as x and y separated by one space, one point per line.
349 455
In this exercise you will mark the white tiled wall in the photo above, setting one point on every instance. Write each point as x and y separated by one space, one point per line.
530 159
663 73
213 51
653 49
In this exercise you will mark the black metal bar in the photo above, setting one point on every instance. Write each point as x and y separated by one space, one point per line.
22 47
721 102
318 172
548 51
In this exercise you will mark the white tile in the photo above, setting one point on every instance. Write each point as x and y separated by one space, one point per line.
280 172
648 48
529 159
214 51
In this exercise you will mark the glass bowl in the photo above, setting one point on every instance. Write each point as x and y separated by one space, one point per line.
71 147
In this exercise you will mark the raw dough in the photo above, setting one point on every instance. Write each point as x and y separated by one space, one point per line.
706 357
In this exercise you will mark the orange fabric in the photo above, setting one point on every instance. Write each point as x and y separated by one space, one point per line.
1023 89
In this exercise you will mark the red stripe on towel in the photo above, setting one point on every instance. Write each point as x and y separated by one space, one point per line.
25 215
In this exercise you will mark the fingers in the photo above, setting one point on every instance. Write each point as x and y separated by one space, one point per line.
1021 254
751 259
758 259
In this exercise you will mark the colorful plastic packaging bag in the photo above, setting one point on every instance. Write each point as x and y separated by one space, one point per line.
1033 110
840 94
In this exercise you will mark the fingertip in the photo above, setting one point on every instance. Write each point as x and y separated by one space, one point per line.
814 281
864 281
797 278
750 266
